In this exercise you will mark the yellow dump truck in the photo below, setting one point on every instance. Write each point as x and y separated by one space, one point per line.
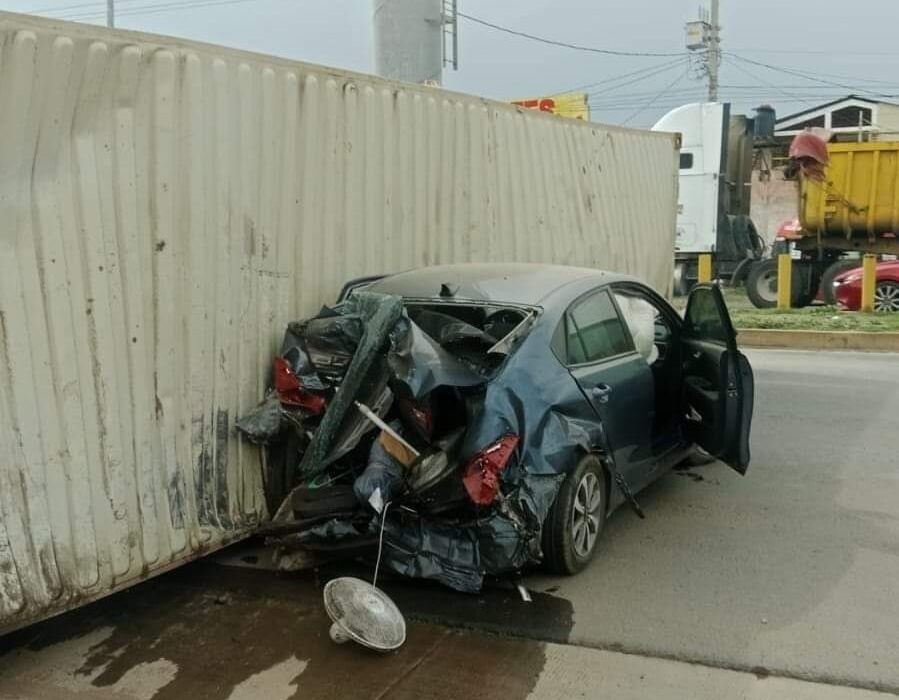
853 208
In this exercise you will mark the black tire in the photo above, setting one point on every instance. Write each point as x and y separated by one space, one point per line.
741 272
834 269
886 297
808 282
564 551
761 285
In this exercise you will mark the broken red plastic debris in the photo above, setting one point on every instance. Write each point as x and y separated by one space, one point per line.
291 392
481 477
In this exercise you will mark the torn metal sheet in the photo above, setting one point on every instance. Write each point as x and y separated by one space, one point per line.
418 361
447 329
263 423
331 341
294 352
379 313
446 553
377 395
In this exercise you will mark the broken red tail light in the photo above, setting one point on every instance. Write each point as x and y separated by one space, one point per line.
481 476
291 391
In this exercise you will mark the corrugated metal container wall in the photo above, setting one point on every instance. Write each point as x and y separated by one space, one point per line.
166 208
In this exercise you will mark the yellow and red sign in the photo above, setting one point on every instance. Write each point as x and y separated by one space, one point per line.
572 105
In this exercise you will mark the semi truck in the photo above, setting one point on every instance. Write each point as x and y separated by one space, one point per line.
715 184
850 208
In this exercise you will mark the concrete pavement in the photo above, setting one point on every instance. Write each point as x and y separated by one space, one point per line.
209 634
793 567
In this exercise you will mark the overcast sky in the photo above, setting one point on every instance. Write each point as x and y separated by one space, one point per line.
850 44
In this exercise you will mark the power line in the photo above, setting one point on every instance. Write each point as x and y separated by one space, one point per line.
661 94
154 8
563 44
66 8
649 70
785 86
611 88
798 52
740 68
800 74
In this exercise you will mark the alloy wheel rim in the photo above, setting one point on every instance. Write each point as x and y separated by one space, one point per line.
886 297
586 514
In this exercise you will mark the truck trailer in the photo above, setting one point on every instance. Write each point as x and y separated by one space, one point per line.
168 206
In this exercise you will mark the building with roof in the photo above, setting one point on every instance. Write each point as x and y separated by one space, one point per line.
850 118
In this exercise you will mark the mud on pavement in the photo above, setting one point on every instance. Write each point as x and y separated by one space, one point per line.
216 633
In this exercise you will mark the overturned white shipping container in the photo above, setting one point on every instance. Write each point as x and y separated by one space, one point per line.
166 207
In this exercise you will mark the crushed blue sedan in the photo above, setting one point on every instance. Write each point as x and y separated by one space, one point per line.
478 419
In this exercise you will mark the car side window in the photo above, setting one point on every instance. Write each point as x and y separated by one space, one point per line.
595 331
648 326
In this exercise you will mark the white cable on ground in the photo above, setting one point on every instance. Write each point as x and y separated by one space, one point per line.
374 580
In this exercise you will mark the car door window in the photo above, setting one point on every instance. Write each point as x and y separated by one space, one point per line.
595 331
649 329
705 320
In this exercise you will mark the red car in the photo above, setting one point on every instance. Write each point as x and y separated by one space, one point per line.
847 287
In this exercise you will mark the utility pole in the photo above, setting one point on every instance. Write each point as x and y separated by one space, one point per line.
704 35
713 55
110 13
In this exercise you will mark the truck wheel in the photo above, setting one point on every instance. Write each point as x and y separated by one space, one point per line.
761 284
886 296
741 272
807 279
575 521
834 269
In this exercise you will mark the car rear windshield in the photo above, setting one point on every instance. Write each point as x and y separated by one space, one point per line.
480 335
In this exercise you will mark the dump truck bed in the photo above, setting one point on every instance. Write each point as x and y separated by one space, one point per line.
859 195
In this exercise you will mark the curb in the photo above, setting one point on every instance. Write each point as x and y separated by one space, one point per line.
861 341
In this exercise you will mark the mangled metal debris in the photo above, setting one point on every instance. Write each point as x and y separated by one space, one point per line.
381 403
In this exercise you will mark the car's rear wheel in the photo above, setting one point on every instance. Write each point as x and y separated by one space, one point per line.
886 296
575 522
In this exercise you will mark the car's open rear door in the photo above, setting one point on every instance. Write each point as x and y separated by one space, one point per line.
718 382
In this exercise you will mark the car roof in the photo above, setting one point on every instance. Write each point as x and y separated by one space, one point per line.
517 283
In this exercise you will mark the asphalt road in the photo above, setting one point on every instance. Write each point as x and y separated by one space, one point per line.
733 587
791 570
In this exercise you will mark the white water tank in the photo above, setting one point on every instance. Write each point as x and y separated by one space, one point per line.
409 40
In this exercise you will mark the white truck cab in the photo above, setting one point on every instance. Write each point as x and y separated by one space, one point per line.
713 202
